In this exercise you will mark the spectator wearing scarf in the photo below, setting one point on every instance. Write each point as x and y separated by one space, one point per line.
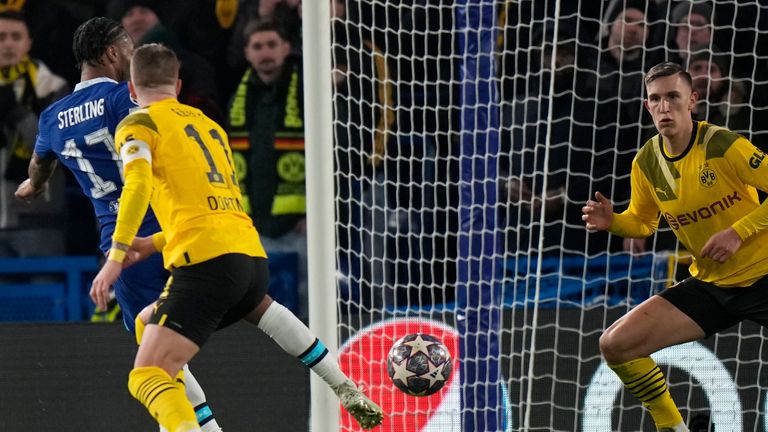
266 130
27 86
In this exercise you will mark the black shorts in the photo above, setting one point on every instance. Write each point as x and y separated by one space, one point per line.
714 308
202 298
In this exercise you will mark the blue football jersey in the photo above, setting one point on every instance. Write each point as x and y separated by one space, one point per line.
79 130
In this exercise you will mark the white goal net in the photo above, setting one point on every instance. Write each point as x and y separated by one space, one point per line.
467 134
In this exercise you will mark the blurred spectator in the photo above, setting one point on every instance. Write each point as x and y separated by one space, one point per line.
196 28
266 129
51 25
721 101
726 101
138 18
285 12
690 27
27 86
571 144
194 22
412 208
628 46
141 20
363 120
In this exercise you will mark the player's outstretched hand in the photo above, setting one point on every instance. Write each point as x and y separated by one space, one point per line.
722 245
27 192
103 281
598 214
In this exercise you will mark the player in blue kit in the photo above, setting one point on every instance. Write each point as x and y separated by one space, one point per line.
78 131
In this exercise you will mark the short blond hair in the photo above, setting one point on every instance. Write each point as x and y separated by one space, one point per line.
154 65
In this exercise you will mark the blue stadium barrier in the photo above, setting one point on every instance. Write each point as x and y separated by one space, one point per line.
573 281
33 302
40 299
56 288
577 281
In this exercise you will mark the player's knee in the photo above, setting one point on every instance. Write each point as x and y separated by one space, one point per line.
255 316
611 347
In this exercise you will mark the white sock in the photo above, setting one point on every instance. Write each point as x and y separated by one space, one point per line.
297 340
196 397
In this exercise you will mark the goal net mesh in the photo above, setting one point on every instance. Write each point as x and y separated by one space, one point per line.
468 134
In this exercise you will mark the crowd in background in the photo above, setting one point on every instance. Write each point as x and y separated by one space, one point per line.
396 115
601 55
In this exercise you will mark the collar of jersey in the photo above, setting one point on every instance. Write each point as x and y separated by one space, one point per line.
664 153
163 101
83 84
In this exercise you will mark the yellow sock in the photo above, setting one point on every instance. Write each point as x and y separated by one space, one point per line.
138 328
643 378
164 399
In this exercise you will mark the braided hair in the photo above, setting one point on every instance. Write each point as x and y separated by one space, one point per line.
93 37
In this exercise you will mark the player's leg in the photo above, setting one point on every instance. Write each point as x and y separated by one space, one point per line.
675 317
136 290
186 314
138 286
627 344
293 336
296 339
161 356
192 388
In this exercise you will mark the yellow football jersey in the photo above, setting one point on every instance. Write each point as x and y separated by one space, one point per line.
704 190
194 190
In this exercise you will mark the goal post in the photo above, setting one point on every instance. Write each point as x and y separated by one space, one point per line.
321 245
478 288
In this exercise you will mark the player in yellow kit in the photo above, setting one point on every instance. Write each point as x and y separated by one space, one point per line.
702 179
177 159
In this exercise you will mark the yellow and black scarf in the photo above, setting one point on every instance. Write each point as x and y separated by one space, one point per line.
21 152
26 69
290 197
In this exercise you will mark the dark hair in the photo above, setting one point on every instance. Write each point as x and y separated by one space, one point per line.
154 65
683 9
93 37
262 25
665 69
13 15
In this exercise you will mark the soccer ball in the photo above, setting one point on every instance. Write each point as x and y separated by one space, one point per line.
419 364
